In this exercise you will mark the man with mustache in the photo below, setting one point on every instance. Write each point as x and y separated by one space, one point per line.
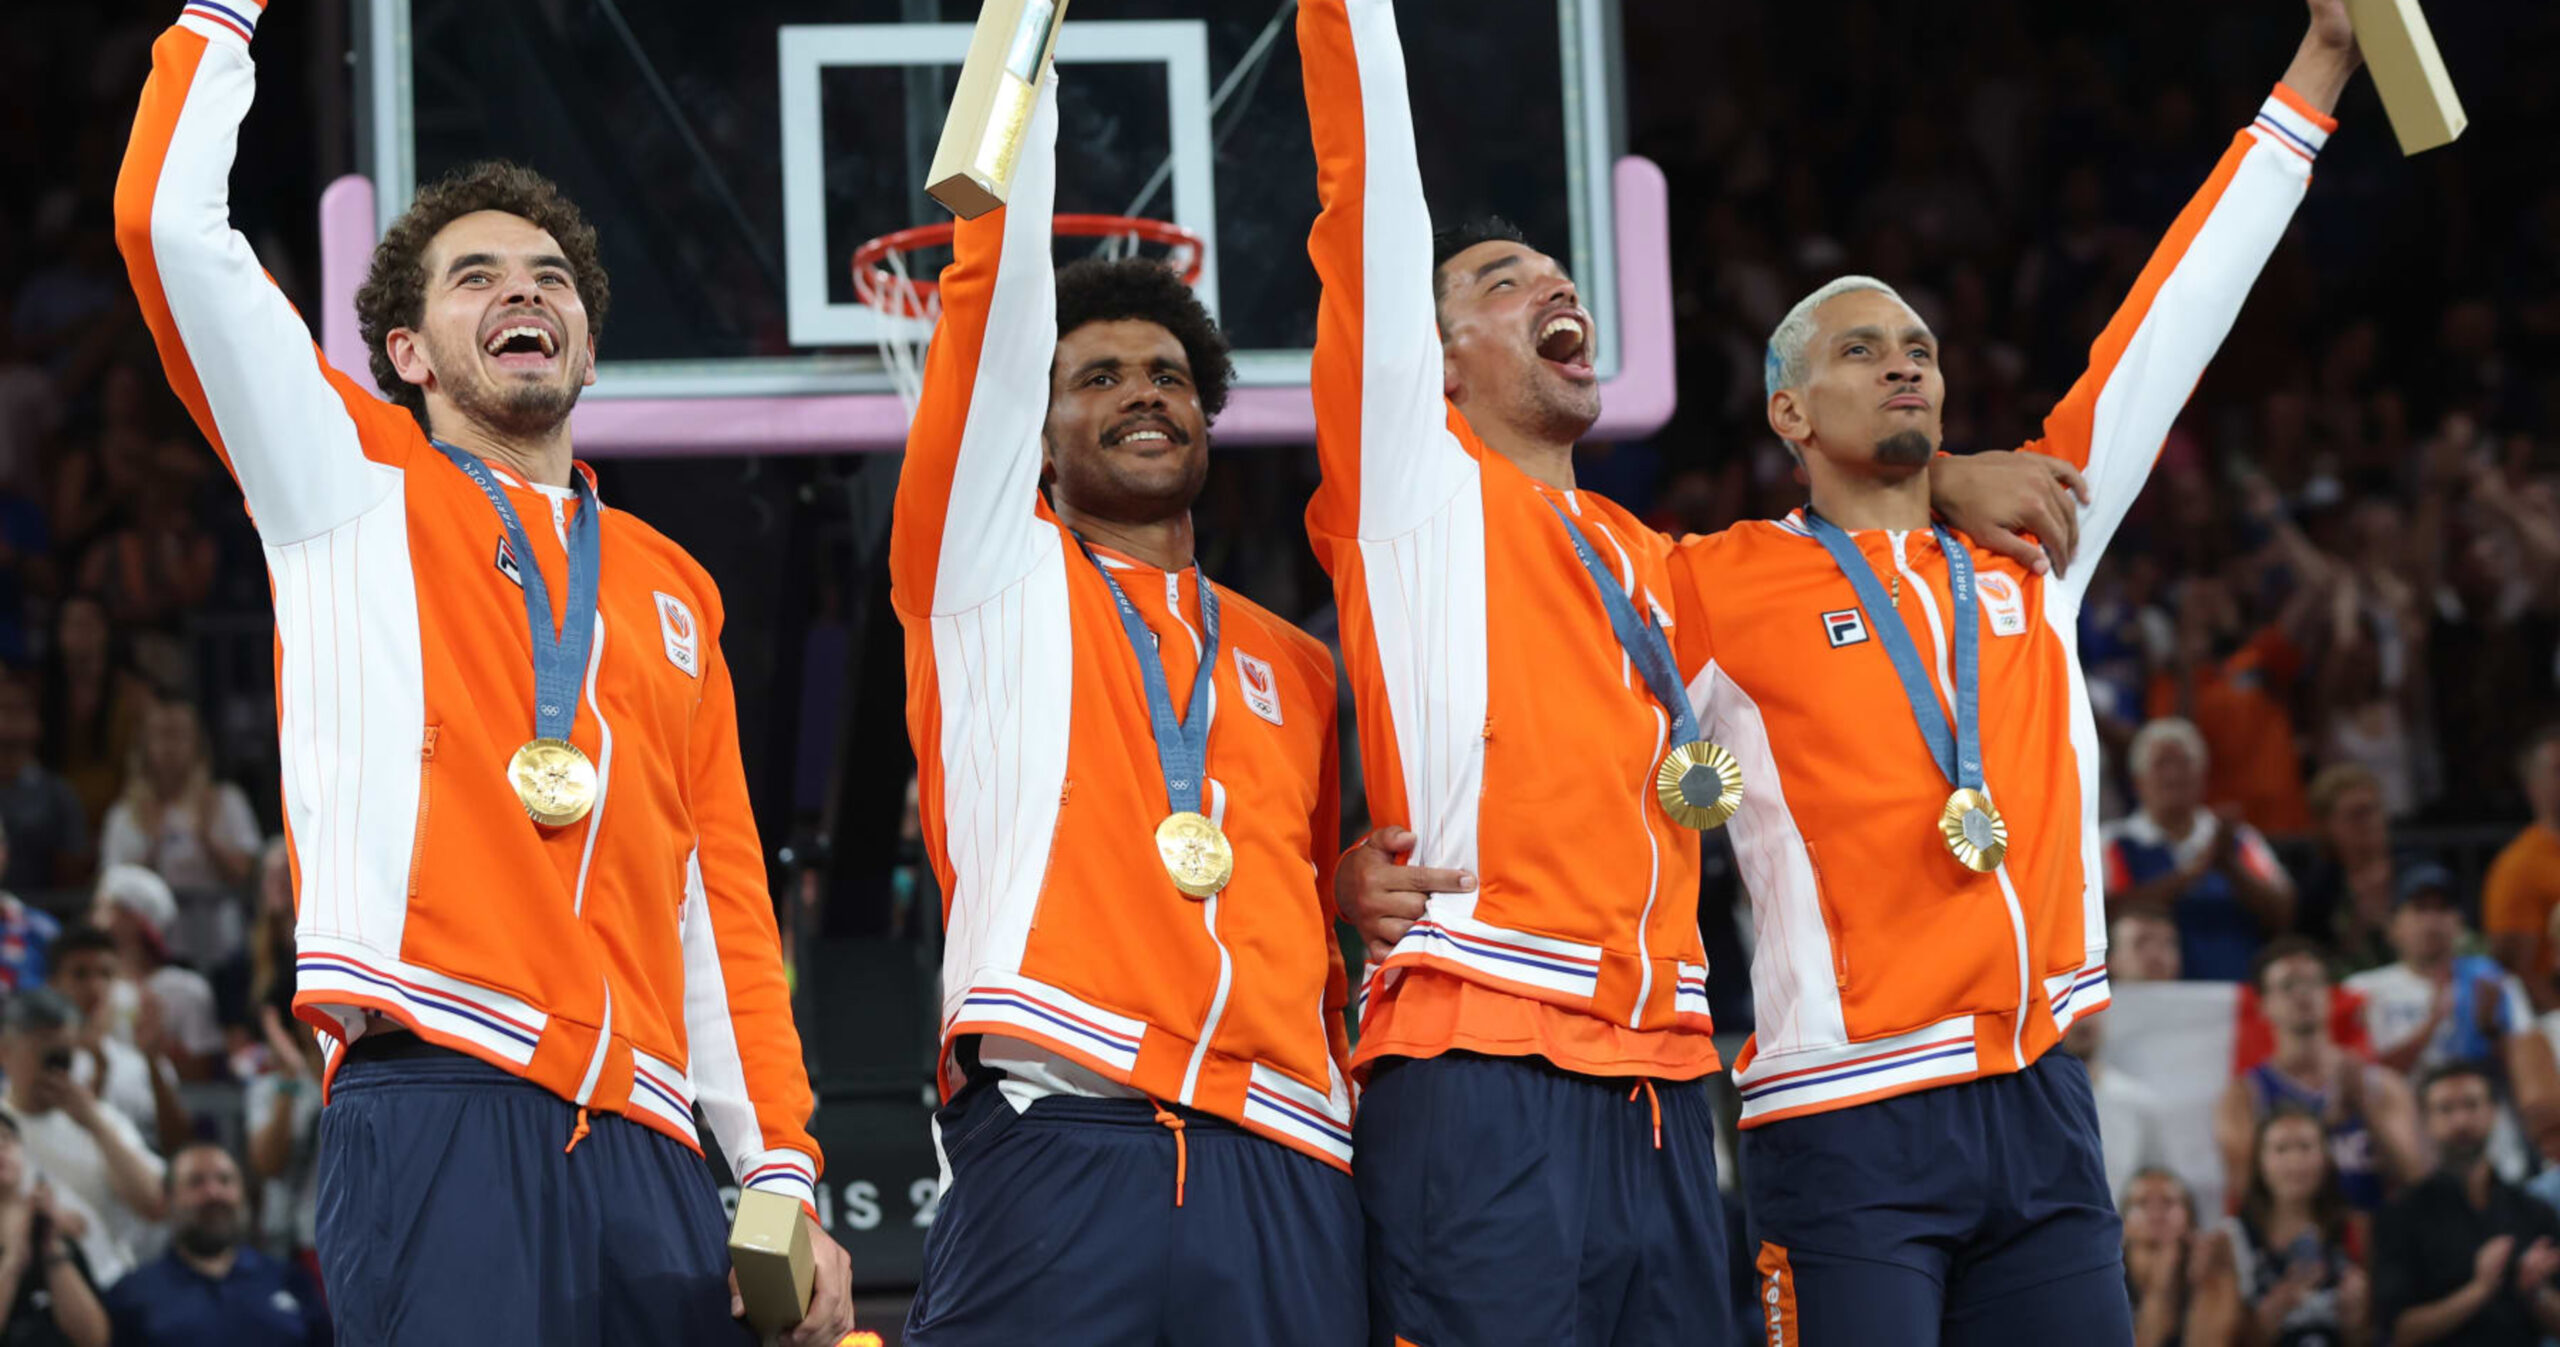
1127 782
2465 1256
1919 821
212 1286
1537 1152
531 918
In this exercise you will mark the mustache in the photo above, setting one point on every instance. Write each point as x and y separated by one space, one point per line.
1146 421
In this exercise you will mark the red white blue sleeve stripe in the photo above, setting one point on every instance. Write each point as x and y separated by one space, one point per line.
222 19
2291 124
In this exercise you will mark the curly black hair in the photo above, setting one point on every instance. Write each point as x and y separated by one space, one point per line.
395 287
1107 290
1466 234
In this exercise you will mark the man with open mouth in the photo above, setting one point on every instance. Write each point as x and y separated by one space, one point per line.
531 921
1536 1148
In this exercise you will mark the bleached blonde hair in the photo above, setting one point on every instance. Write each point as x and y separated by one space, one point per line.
1790 344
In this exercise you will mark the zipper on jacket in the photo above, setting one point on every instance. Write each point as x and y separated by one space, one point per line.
2008 893
1626 578
604 1045
426 785
1226 962
1652 880
1216 803
1830 919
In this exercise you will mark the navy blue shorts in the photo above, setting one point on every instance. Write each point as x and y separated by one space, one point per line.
1059 1225
449 1214
1509 1201
1974 1215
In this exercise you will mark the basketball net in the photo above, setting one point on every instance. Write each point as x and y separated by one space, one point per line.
884 277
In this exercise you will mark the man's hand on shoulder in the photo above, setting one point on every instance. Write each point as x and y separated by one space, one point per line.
2022 506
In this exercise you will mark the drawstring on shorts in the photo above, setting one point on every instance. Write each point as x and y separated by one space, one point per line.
1656 1100
579 1133
1181 1151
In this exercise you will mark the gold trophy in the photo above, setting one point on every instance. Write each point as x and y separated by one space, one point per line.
2409 72
769 1247
991 110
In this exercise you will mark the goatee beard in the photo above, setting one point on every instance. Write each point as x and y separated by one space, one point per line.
2459 1158
1905 449
524 411
209 1236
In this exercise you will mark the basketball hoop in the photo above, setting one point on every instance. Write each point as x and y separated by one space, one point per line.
909 304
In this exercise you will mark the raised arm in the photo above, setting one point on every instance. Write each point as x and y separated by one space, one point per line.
968 523
1378 377
295 433
2142 368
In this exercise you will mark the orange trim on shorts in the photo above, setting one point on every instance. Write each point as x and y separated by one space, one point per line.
1777 1294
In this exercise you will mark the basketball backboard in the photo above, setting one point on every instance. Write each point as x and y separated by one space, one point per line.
734 156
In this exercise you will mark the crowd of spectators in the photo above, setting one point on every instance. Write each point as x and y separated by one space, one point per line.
157 1118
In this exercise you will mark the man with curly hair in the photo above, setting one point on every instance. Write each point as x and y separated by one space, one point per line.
532 927
1128 785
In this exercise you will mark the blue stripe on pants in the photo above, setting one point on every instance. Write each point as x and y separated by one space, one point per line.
449 1214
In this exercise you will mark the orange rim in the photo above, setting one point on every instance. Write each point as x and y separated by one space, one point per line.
878 287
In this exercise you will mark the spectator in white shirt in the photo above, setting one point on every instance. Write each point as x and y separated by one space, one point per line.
198 834
128 1076
2130 1135
2438 1005
81 1146
136 908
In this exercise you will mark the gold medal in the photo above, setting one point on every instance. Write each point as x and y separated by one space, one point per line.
555 782
1195 853
1699 784
1974 830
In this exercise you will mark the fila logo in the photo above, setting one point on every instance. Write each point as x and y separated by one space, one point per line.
676 626
1261 689
506 562
2003 601
1845 626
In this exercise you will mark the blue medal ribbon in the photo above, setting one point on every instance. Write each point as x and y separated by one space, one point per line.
1643 641
1182 746
559 657
1958 754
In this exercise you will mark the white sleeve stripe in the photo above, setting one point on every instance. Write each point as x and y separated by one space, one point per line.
2185 325
991 524
290 439
1410 464
718 1074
